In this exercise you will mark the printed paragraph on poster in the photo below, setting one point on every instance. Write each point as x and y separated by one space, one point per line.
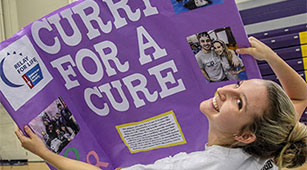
156 132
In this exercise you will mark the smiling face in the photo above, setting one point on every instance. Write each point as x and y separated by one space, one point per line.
218 48
205 43
235 106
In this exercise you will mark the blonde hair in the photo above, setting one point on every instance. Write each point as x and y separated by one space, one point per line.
226 51
279 136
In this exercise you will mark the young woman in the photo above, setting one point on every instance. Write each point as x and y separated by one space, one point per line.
231 63
249 123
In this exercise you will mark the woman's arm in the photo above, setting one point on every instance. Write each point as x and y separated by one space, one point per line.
292 83
34 144
236 61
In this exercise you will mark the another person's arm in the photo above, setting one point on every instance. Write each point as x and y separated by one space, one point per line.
236 61
34 144
205 74
292 83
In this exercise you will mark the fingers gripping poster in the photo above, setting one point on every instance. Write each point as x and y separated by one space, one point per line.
119 82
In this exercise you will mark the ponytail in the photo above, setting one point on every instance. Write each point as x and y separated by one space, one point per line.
278 134
294 152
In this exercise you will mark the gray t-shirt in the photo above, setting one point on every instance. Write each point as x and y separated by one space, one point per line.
225 64
211 63
213 158
226 67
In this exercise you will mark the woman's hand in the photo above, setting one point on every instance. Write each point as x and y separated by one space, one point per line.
258 50
32 143
292 83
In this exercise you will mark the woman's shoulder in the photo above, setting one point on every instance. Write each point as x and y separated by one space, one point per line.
236 158
212 158
215 157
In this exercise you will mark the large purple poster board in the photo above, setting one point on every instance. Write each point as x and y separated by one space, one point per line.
116 82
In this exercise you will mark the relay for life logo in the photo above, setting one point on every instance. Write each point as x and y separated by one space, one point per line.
22 72
26 66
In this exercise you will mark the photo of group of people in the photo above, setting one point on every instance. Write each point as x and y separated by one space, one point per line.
55 125
215 54
186 5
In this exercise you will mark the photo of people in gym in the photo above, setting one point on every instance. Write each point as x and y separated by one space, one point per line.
55 125
187 5
215 54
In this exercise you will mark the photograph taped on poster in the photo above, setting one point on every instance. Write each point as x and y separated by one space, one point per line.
215 54
55 125
187 5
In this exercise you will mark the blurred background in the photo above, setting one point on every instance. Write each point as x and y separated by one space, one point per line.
15 14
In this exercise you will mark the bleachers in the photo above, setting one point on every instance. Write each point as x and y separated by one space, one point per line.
288 40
